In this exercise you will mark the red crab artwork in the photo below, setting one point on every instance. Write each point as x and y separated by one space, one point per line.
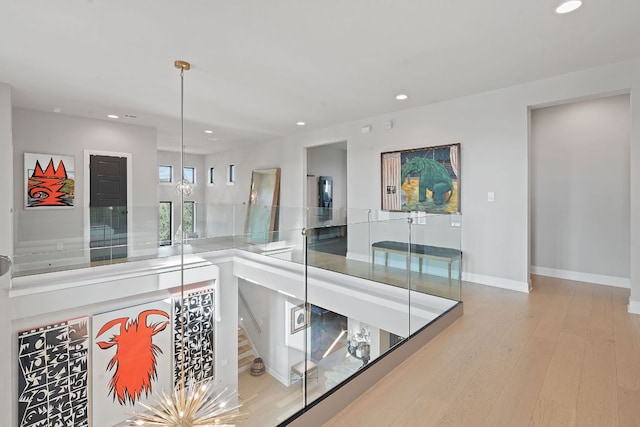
135 360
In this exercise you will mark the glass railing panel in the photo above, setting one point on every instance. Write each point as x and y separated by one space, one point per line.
224 220
275 321
341 241
435 277
436 241
354 321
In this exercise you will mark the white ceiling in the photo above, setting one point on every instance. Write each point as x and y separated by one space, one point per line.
259 66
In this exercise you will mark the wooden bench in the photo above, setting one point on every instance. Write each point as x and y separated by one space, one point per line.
436 253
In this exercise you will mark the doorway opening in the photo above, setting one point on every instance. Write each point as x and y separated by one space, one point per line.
108 207
326 198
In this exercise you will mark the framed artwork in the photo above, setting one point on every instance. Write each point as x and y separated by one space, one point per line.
52 374
131 360
198 343
423 179
49 181
299 317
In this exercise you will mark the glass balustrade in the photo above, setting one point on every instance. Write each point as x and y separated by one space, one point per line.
283 306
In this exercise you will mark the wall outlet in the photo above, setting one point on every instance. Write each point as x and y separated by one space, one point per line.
491 196
366 129
59 246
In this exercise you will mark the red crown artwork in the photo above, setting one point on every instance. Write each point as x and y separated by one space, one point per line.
50 187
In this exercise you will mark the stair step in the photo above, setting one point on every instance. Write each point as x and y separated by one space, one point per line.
244 348
245 361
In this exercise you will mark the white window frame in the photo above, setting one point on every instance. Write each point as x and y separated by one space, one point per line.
170 174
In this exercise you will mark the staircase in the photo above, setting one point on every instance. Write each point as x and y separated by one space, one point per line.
245 351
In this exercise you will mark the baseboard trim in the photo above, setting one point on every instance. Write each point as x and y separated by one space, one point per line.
634 307
497 282
358 257
599 279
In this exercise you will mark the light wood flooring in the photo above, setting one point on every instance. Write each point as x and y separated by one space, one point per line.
268 402
568 354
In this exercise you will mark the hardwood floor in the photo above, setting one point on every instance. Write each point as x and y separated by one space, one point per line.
568 354
268 402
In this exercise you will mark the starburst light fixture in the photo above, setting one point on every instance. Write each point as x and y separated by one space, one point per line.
194 405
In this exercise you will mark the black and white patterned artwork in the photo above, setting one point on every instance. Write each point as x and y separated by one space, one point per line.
199 334
52 375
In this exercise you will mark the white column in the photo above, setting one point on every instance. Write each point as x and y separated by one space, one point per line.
634 158
7 391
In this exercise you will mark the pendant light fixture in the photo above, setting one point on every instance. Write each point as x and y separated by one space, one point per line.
190 404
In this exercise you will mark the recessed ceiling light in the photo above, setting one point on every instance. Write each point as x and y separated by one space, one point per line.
208 131
57 109
401 97
130 116
300 123
113 116
212 139
568 6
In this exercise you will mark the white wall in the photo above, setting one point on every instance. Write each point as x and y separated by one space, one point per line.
166 191
493 129
269 308
50 133
580 190
221 197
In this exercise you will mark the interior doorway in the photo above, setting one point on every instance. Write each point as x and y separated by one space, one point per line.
108 209
580 190
326 198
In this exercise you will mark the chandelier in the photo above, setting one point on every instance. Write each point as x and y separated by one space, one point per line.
190 404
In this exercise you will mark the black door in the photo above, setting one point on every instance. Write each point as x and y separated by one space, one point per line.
108 207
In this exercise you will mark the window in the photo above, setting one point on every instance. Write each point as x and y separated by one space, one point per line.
212 175
189 174
189 219
164 229
165 173
231 174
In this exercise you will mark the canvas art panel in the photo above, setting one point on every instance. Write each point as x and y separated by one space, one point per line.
131 360
197 345
52 374
423 179
49 181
